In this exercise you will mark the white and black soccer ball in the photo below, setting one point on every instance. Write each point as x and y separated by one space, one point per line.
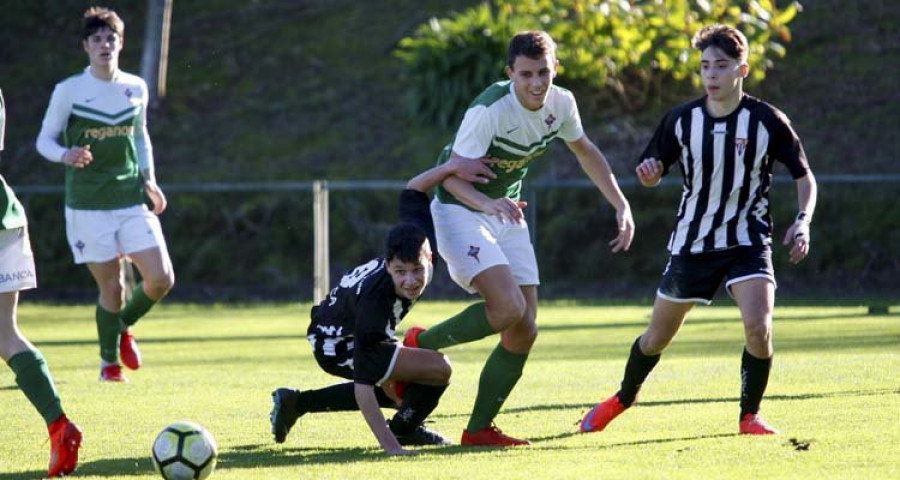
184 451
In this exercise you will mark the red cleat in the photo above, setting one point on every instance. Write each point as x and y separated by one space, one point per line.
411 338
599 417
65 438
112 373
129 351
490 437
753 424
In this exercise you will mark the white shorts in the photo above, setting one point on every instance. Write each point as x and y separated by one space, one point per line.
16 261
97 236
471 242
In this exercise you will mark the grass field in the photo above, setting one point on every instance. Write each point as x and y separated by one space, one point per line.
834 386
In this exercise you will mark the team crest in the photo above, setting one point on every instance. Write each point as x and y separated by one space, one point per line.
549 120
128 92
740 145
473 252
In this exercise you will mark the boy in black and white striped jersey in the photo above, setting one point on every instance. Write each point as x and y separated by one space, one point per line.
725 144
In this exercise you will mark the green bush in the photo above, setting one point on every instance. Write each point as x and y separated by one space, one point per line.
449 60
636 54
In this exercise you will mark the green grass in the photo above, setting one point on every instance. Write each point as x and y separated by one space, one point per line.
833 385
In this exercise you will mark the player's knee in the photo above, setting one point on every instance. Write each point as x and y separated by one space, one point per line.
11 344
526 333
112 289
159 286
438 371
445 370
653 343
506 312
758 332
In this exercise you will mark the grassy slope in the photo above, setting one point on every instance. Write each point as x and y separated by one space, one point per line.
833 386
276 90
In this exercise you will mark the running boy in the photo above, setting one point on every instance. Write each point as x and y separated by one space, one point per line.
725 144
481 230
100 118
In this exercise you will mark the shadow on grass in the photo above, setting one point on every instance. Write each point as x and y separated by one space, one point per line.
669 403
575 433
185 339
266 455
242 456
600 325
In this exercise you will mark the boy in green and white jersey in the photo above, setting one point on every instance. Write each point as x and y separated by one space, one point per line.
96 125
32 373
481 230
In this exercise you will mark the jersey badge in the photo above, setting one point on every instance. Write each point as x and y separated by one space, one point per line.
549 121
128 92
473 252
740 144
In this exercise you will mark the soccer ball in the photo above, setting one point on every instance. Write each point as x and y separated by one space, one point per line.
184 451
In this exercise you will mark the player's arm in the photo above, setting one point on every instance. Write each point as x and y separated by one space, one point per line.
504 208
368 405
471 170
144 150
659 154
798 234
370 329
48 145
595 165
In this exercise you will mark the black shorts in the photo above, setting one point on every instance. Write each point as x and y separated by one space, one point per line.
696 277
337 356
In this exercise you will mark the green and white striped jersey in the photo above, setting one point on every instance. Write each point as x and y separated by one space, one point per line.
12 215
497 125
110 116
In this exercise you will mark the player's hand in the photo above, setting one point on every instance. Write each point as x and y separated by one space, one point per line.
798 237
649 172
78 157
401 451
505 209
474 171
622 242
156 196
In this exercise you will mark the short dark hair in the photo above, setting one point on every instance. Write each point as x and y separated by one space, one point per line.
533 44
98 18
724 37
404 242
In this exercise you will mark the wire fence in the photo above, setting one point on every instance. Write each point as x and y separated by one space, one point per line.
262 241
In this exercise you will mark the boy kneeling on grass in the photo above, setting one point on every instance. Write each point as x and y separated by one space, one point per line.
352 331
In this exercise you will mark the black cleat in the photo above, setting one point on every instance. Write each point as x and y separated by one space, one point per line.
284 412
421 436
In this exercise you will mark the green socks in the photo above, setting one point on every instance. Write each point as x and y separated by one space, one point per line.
139 305
33 378
500 374
467 326
110 325
108 330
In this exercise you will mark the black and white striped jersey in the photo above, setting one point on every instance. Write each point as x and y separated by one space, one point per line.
364 309
727 166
